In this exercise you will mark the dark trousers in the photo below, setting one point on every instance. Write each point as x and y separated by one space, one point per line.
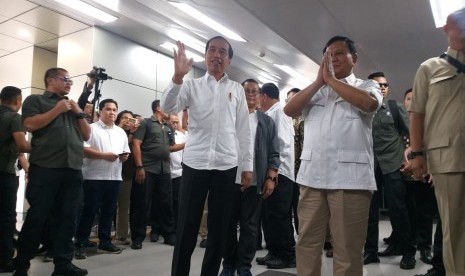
437 260
8 190
426 210
175 183
50 189
246 210
277 223
395 193
294 205
195 185
98 195
155 193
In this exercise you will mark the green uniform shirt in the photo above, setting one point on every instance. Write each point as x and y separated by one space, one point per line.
155 148
387 142
10 122
60 143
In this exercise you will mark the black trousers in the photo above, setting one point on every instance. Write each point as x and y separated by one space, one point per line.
294 205
50 189
195 185
396 200
246 211
156 193
8 190
426 210
277 221
175 183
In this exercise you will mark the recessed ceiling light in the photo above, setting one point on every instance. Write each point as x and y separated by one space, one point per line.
202 18
87 9
170 46
441 9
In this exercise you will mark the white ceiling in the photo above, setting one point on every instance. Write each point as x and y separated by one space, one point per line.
392 36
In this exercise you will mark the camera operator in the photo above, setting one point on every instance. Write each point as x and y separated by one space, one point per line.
83 100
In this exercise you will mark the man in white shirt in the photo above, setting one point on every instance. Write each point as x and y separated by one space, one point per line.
104 152
218 117
277 226
336 174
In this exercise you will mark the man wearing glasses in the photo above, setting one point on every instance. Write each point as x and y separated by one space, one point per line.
59 128
389 126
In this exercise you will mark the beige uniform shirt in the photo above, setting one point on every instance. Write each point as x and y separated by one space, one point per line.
439 94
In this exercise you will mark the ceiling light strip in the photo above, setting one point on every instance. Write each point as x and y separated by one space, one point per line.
87 9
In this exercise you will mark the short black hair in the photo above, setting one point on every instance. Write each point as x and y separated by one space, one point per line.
51 73
230 50
271 90
376 75
9 94
118 117
295 90
249 80
407 91
102 104
155 104
350 43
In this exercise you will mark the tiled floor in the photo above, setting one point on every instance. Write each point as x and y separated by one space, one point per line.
155 259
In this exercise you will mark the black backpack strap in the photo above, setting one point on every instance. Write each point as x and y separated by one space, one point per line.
454 62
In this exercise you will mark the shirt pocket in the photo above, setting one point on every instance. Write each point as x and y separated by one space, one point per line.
316 110
443 86
345 111
353 166
436 151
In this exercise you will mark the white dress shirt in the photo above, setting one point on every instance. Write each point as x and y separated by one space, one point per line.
253 120
218 115
105 139
285 130
338 141
176 157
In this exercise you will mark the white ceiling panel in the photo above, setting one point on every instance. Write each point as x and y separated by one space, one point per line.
2 52
12 44
12 8
25 32
3 18
51 21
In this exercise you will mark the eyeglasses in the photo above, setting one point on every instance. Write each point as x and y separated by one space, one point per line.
385 84
65 79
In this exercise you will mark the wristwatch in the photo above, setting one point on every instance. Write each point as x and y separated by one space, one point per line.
139 167
411 155
81 115
272 178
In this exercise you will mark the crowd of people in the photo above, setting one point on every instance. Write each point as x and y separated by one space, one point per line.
315 168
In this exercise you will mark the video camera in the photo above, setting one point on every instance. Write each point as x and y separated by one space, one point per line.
98 73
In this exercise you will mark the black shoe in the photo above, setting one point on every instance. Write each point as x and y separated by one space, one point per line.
370 258
69 270
154 237
90 243
277 263
425 256
80 253
48 257
407 262
227 271
262 260
391 250
203 243
171 240
327 245
109 249
244 272
136 245
433 272
20 273
388 240
6 268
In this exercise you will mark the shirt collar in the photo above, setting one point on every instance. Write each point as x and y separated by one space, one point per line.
456 54
209 77
49 94
350 79
275 106
103 125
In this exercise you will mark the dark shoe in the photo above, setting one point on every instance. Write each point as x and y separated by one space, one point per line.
425 256
391 250
171 240
244 272
6 268
329 253
370 258
123 241
387 240
20 273
278 263
109 249
407 262
48 257
90 243
262 260
227 271
433 272
203 243
136 245
154 237
80 253
69 270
